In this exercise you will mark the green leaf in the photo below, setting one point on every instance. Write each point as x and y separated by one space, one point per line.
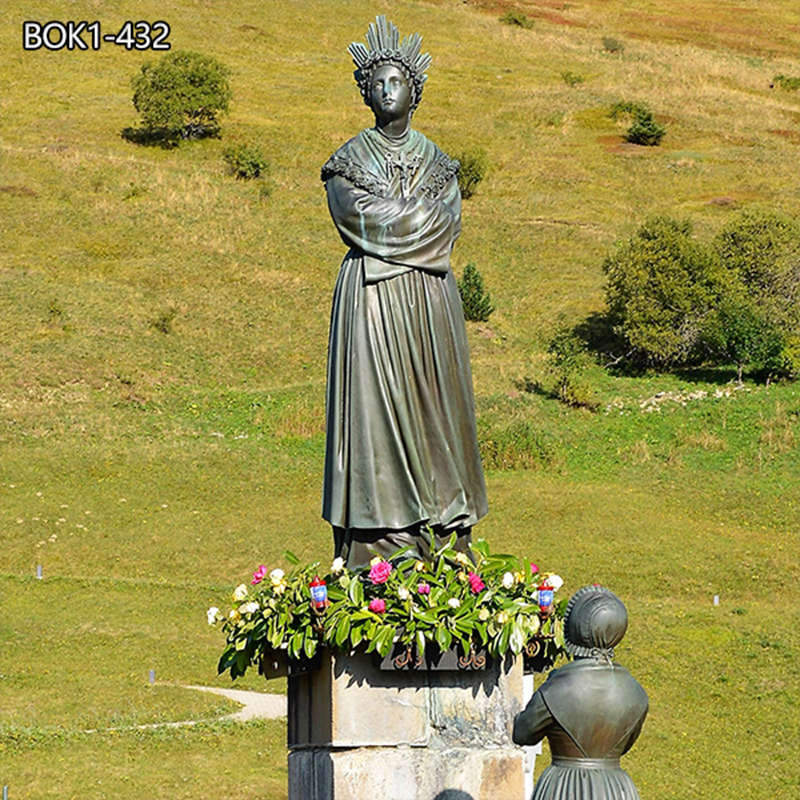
342 631
356 593
356 635
291 557
443 638
420 642
309 644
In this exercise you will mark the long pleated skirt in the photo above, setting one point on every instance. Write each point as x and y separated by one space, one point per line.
401 446
569 779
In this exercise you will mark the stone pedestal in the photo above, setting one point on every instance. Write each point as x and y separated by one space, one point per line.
359 733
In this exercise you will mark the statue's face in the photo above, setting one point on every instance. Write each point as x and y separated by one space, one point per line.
390 94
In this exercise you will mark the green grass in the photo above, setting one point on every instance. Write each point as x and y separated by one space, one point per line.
150 470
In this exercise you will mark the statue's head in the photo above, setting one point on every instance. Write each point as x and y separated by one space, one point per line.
595 622
383 52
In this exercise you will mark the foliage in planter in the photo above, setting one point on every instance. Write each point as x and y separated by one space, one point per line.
447 600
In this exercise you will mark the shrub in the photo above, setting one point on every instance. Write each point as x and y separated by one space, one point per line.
572 78
567 358
472 171
644 129
517 18
163 322
786 82
758 321
181 95
762 250
245 161
475 300
661 287
737 333
612 45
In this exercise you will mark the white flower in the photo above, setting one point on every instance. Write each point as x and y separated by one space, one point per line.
403 593
375 560
483 614
240 592
212 615
508 580
454 602
556 581
276 576
279 588
338 565
462 558
249 608
234 615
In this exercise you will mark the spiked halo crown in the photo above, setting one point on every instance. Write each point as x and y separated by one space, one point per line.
384 47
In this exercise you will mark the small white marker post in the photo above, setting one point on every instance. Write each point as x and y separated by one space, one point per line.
152 676
716 599
5 793
39 576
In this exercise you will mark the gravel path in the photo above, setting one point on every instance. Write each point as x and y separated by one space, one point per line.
256 705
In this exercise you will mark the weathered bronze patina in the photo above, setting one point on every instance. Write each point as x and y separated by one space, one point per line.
591 710
401 450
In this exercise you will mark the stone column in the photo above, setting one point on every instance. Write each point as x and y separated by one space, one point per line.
357 732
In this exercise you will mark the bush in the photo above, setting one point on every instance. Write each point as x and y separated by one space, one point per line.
572 78
786 82
567 358
759 319
475 300
737 333
245 161
517 18
661 287
644 129
472 171
181 95
612 45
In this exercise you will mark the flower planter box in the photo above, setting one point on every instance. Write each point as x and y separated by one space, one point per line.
403 657
276 664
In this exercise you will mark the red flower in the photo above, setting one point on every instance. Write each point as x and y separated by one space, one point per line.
424 588
475 582
377 605
534 568
258 575
379 573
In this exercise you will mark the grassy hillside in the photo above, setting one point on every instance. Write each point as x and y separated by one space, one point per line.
150 471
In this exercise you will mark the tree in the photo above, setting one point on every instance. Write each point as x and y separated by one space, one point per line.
182 95
475 300
661 286
758 321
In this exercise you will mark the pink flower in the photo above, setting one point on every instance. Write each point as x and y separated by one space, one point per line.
534 568
475 583
258 575
424 588
379 573
377 605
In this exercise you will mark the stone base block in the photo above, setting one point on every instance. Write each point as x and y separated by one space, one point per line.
349 702
406 773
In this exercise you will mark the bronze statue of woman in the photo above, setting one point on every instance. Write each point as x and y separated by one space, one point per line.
401 458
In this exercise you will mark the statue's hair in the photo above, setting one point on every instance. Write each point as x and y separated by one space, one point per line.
384 47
